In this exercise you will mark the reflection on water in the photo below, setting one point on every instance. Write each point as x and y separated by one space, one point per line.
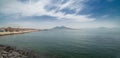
69 43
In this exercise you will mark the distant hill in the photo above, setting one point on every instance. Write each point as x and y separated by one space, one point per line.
102 28
61 27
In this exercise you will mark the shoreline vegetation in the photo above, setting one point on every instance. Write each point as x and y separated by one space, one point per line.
14 31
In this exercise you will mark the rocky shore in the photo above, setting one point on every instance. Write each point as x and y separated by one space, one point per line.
11 52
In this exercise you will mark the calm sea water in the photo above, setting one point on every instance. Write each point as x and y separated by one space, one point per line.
69 43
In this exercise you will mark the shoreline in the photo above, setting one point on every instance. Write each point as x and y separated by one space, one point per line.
14 33
12 52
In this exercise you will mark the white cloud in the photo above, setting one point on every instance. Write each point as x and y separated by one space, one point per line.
38 8
67 4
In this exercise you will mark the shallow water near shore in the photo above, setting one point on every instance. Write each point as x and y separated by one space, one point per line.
69 43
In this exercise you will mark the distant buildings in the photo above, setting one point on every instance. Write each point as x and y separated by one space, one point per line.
2 30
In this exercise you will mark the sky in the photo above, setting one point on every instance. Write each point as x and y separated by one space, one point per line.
50 13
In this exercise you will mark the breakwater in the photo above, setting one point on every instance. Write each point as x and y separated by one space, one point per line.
12 52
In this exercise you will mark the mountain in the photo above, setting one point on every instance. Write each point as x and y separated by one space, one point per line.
61 27
102 28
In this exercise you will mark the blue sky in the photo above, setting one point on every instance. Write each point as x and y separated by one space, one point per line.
50 13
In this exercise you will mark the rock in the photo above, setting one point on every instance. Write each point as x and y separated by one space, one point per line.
10 55
4 52
10 52
1 56
8 49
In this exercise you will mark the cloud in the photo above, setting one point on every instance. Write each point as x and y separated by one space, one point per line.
40 8
105 16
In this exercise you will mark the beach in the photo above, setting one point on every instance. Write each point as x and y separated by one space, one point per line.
13 33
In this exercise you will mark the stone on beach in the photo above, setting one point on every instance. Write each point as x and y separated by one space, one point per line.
10 52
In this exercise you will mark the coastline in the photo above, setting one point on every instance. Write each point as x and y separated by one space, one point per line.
20 32
7 51
12 52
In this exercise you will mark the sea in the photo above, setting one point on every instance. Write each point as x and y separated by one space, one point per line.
82 43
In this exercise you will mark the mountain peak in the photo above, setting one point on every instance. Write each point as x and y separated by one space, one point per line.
61 27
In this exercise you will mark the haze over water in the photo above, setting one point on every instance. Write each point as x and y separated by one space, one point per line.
69 43
98 21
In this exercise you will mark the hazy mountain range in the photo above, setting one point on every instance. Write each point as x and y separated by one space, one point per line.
61 27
